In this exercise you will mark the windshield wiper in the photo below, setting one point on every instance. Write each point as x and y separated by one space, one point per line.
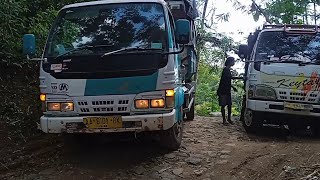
158 51
130 49
82 48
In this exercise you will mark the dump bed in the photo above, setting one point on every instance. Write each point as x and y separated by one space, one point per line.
186 9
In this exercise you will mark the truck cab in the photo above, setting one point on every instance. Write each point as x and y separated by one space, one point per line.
282 77
116 66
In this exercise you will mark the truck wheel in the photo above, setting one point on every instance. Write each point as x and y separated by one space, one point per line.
251 121
316 129
295 127
190 114
171 138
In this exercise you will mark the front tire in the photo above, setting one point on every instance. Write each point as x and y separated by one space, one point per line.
171 138
315 129
251 121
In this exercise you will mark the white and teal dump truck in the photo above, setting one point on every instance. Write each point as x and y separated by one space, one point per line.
119 66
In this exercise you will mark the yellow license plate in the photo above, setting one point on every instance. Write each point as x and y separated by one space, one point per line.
109 122
298 106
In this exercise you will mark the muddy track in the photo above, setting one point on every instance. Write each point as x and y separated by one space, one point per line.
209 151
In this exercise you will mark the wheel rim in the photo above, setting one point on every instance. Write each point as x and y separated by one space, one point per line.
248 118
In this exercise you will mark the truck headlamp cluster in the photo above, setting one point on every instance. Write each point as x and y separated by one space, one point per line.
262 92
57 106
146 103
167 102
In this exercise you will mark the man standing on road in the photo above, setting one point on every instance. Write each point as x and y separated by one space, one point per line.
224 90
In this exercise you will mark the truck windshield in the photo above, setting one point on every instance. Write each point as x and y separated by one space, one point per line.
105 28
283 47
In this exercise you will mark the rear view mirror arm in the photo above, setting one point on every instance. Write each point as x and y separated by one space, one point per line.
175 52
36 59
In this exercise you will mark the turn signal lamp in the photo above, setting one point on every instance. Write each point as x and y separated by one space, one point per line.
170 93
157 103
142 104
42 97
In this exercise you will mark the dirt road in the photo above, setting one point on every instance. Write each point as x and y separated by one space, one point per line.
209 151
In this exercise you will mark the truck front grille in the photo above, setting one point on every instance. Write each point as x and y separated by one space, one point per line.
103 104
298 96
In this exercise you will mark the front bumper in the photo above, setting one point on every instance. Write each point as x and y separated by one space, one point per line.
150 122
278 107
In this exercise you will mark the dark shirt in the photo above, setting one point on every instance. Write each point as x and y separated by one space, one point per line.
225 82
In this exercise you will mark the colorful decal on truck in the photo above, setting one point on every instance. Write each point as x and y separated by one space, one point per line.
301 82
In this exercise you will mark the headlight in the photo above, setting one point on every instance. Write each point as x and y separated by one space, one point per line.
265 92
54 106
67 106
157 103
142 104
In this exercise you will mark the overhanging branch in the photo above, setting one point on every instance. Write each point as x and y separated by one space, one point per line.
262 11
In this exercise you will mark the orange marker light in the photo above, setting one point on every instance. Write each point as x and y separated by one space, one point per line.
170 93
43 97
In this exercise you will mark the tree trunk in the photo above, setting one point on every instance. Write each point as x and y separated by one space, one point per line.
202 27
204 13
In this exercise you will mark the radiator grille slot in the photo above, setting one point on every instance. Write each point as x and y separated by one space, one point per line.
122 109
283 97
82 103
84 110
98 103
297 94
312 100
297 98
123 102
282 92
313 95
110 109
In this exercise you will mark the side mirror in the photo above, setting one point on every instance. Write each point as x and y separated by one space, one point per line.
29 44
183 31
243 51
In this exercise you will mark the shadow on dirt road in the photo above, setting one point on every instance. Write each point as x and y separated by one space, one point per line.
111 152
